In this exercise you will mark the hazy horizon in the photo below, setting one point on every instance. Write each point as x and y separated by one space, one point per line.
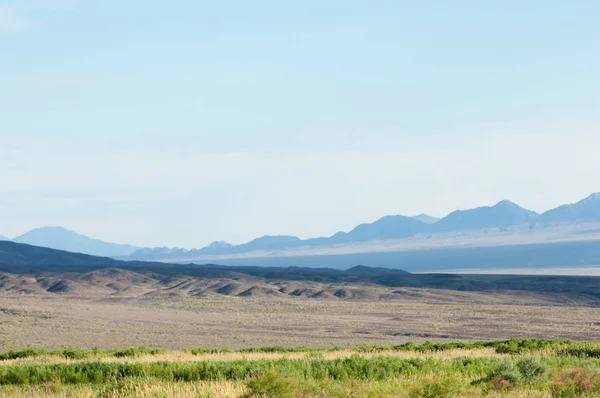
179 125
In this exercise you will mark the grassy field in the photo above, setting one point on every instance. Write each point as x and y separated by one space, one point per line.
513 368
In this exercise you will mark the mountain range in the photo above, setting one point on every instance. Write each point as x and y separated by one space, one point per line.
426 218
29 269
503 215
63 239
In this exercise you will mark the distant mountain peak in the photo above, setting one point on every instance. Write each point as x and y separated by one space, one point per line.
512 206
219 244
585 209
2 237
426 218
507 203
49 231
61 238
503 214
54 229
275 238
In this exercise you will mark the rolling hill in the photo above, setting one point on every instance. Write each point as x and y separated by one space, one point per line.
13 254
30 269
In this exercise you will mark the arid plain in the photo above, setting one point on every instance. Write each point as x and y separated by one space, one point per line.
114 308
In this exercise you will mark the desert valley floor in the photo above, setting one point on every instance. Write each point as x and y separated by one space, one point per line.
114 308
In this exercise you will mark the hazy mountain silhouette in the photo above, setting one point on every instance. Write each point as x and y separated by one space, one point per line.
217 246
73 273
220 247
160 253
19 254
2 237
268 242
586 209
63 239
503 214
426 218
364 270
27 259
388 227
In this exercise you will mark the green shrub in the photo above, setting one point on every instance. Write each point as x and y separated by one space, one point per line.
377 369
446 388
508 348
519 346
531 369
70 353
513 346
506 375
29 352
272 385
133 352
202 351
585 350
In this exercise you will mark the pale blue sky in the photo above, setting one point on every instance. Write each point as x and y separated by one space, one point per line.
178 123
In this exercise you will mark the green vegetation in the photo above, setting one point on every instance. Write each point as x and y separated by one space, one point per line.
513 346
567 348
378 368
71 353
520 367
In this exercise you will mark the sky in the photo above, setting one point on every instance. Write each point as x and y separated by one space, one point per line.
180 123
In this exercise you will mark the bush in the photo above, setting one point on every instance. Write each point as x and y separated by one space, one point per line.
29 352
133 352
202 351
581 350
508 348
531 369
445 388
272 385
505 376
509 372
71 353
576 383
519 346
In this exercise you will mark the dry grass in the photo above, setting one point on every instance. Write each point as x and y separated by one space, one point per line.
183 356
141 389
397 387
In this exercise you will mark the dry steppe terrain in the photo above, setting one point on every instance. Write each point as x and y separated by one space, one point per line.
115 308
